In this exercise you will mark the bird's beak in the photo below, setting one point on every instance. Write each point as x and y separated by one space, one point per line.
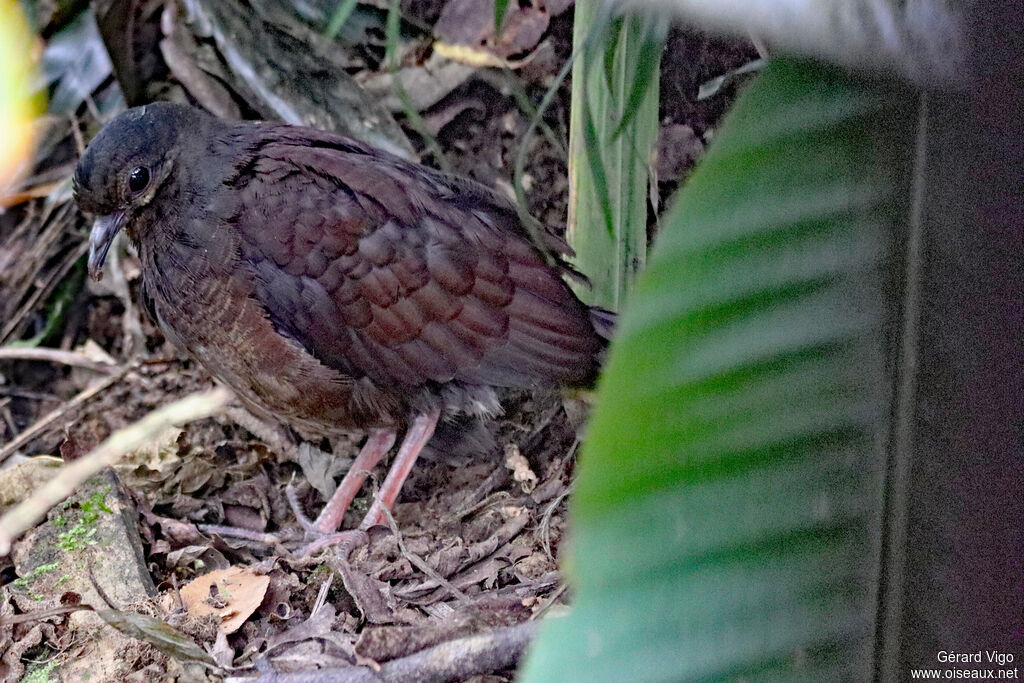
104 230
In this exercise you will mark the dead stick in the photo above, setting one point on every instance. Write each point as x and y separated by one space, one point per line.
56 356
419 562
39 615
53 415
455 660
31 510
45 290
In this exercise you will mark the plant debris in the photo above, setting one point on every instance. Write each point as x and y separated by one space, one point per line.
231 594
470 558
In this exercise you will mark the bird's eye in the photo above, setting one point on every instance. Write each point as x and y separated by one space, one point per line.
138 179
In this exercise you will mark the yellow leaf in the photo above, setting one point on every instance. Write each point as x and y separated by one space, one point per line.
473 56
17 107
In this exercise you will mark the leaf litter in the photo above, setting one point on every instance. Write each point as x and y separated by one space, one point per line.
474 543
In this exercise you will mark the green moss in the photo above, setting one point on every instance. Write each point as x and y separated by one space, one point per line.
23 582
40 673
81 534
35 573
95 504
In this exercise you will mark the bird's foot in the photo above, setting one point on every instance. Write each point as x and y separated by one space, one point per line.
346 542
262 537
376 446
324 528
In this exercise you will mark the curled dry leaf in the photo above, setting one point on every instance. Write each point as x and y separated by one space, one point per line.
157 633
17 482
475 56
471 23
233 594
520 466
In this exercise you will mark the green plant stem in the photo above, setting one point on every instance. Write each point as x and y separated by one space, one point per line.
613 125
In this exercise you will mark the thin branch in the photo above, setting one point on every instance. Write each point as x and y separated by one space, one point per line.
79 360
55 414
51 282
419 562
455 660
41 614
26 514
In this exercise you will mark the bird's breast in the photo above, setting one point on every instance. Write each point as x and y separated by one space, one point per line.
204 304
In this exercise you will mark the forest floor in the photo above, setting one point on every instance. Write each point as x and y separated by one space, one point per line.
477 535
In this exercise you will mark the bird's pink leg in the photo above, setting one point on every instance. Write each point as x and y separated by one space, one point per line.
416 437
376 447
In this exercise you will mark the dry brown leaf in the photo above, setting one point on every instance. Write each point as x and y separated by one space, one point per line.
232 594
20 480
470 23
520 466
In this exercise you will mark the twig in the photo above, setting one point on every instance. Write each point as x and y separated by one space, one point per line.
57 413
419 562
12 199
455 660
479 498
26 394
545 520
27 513
51 282
79 360
43 614
550 602
77 135
99 590
240 533
8 417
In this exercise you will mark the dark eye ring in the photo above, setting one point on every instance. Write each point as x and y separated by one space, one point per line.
138 179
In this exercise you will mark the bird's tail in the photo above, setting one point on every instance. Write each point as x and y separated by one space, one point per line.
604 322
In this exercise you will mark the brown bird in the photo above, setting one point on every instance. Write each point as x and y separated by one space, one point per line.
334 286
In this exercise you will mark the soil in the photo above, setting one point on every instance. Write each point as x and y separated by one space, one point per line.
487 525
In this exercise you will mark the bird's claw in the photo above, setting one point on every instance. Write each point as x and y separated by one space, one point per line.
347 541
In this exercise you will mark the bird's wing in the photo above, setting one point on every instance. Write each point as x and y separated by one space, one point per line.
408 278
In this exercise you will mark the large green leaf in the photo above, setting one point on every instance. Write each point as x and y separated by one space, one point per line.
728 519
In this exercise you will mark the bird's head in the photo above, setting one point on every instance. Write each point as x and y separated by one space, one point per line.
126 166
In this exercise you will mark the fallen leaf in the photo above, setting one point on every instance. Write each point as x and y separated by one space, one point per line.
471 23
473 56
520 466
157 633
232 594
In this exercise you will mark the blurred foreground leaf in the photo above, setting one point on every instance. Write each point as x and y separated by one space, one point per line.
16 106
728 515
